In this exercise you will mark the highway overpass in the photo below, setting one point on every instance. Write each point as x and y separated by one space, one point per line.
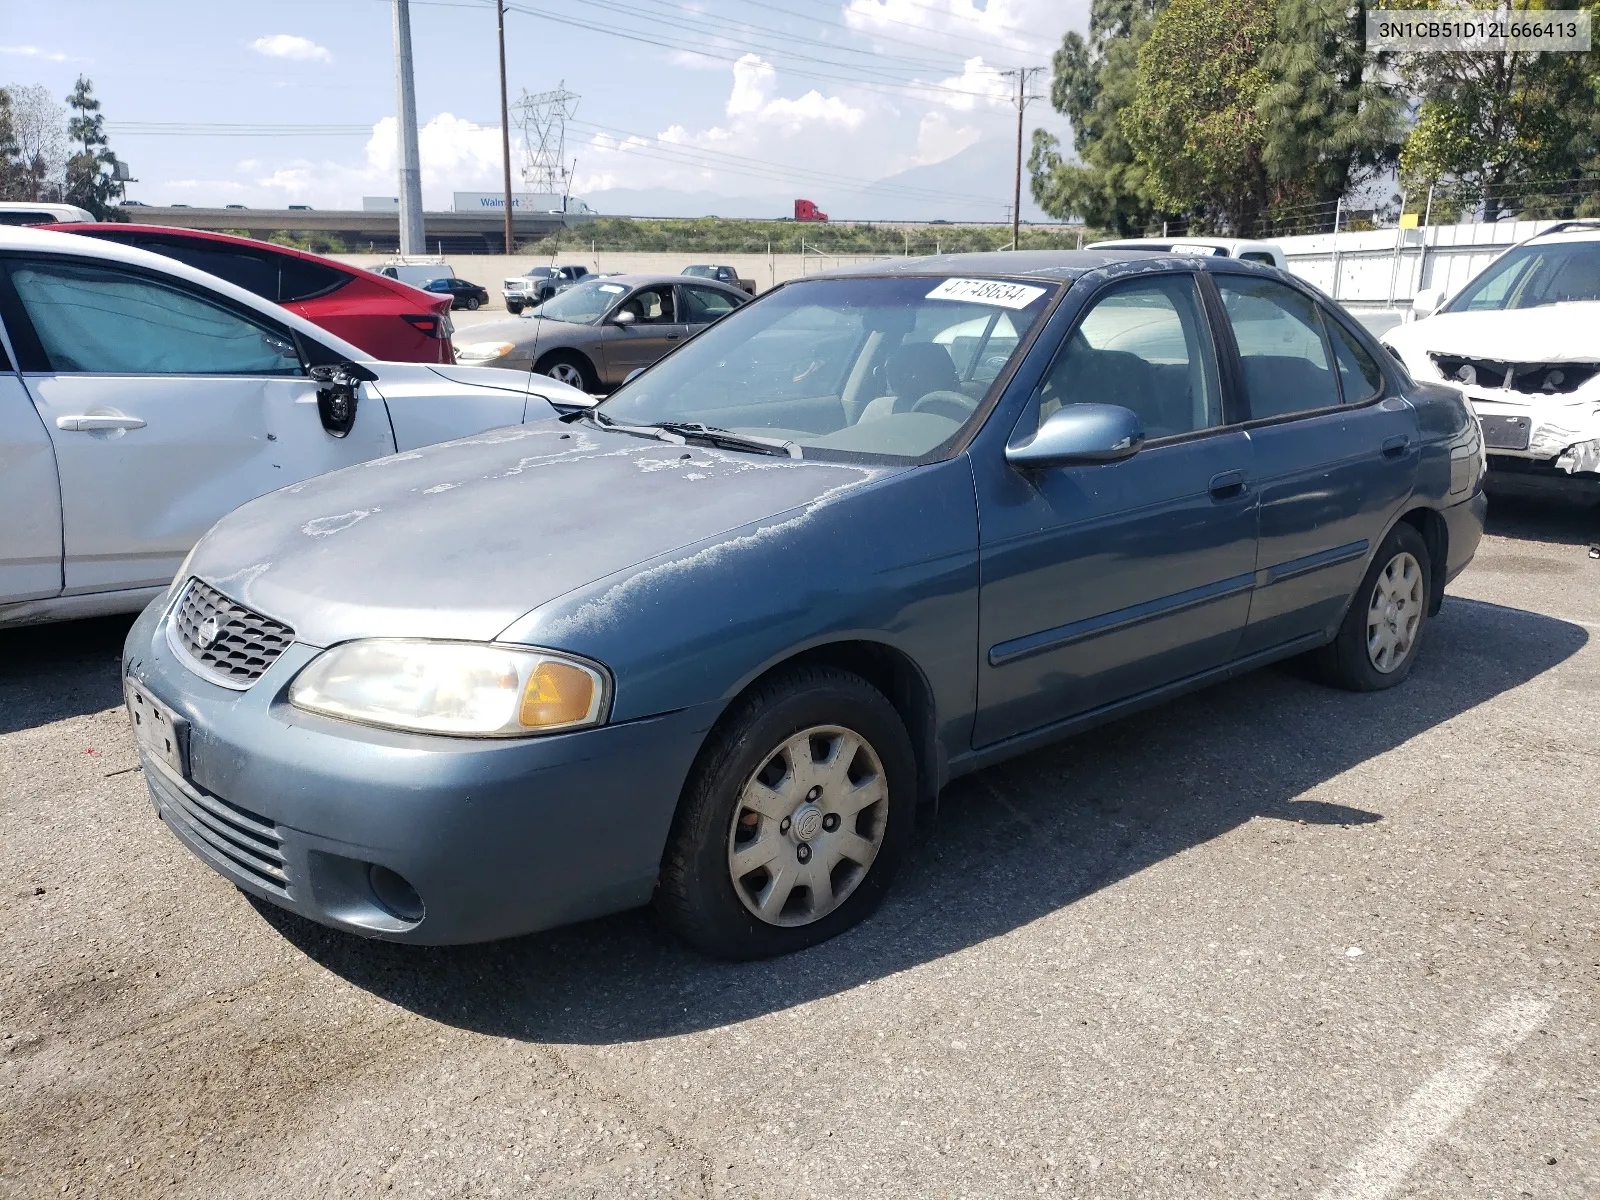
447 232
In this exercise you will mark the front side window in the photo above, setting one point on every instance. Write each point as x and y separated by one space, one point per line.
91 318
878 368
1533 276
1146 347
650 306
1281 347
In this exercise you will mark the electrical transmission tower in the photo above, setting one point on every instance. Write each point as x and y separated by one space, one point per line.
543 117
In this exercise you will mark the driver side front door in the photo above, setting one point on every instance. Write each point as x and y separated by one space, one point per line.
655 330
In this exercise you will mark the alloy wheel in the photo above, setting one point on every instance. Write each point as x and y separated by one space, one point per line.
1394 613
568 374
808 825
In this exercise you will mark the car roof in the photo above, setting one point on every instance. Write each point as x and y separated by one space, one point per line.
643 280
1579 231
89 228
1051 265
25 239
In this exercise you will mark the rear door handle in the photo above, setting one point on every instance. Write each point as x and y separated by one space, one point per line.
1227 484
1395 446
89 422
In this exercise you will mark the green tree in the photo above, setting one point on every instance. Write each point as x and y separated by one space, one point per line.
1092 81
89 182
1517 131
1332 116
1194 122
12 171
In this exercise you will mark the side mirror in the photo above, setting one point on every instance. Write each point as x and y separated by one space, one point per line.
624 317
1426 303
338 394
633 374
1079 433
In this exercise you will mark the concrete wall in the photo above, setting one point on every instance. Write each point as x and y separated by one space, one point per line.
489 270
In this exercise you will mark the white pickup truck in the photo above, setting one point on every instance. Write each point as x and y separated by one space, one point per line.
538 285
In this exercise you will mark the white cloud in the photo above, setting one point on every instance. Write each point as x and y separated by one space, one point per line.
288 45
36 52
978 84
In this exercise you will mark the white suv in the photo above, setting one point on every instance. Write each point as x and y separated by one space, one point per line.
1522 341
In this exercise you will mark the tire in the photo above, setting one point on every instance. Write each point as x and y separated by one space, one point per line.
569 367
514 307
1393 594
472 304
862 810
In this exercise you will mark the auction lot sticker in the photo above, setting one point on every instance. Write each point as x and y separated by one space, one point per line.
987 291
1458 30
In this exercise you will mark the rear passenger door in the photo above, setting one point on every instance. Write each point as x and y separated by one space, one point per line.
701 306
1335 456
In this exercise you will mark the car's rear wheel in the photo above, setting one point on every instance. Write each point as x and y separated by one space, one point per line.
472 304
794 819
570 368
1381 636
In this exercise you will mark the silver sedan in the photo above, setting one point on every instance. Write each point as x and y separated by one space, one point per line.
598 332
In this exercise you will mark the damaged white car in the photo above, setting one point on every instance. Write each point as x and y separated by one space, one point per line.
141 400
1522 342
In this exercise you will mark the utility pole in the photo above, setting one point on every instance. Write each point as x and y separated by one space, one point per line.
412 240
505 123
1023 76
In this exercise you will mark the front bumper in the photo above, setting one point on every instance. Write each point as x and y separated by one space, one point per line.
497 837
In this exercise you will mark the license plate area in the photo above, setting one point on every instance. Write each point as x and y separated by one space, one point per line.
1506 433
159 731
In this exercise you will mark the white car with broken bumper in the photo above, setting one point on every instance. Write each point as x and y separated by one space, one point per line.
1522 342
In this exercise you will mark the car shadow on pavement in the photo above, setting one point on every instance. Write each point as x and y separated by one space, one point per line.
1010 844
51 672
1536 521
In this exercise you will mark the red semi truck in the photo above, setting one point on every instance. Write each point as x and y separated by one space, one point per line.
804 210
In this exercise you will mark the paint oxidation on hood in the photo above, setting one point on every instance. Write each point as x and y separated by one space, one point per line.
459 540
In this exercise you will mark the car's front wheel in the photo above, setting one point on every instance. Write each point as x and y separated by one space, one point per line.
570 368
1378 642
514 307
793 822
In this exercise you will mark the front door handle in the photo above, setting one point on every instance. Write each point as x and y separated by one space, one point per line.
1226 485
1394 447
89 422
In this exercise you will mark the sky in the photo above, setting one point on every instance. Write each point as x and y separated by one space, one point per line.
727 98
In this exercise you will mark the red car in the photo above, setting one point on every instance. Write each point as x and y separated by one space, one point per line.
390 320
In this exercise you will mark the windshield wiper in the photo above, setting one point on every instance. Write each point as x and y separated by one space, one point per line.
726 437
679 432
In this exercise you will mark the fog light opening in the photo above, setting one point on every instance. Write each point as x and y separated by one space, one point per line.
396 896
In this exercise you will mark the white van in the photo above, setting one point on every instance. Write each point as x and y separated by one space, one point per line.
1206 247
416 274
26 212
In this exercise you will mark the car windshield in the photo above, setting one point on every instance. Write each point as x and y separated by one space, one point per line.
1533 276
583 303
701 272
884 368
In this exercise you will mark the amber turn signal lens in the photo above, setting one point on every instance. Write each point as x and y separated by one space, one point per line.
557 694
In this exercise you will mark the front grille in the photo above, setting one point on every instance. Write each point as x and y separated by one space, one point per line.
1531 379
238 837
224 641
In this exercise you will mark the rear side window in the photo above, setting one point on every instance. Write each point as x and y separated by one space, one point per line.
281 278
1359 377
109 321
1281 347
703 304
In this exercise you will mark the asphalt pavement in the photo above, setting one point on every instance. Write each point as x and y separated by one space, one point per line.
1269 940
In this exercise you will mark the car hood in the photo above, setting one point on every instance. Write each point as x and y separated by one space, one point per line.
425 378
1551 333
460 539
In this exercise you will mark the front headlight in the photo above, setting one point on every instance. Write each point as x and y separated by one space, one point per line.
467 689
481 351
